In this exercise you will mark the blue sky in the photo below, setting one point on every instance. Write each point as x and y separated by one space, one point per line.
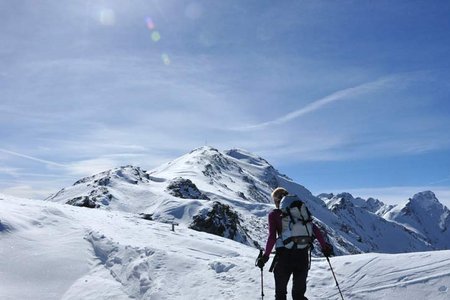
339 95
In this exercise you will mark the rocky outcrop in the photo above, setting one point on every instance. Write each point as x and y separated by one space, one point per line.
223 221
185 189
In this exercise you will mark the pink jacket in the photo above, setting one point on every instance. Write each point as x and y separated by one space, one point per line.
275 230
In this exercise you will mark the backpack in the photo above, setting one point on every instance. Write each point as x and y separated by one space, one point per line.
296 223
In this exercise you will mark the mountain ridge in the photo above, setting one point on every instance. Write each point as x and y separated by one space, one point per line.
424 214
189 187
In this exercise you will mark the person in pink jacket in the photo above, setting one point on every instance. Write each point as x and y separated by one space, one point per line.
289 262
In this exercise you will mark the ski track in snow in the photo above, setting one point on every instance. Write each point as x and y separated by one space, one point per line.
383 276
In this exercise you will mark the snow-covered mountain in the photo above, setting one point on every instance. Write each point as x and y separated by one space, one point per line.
54 251
425 215
371 205
369 231
227 193
203 189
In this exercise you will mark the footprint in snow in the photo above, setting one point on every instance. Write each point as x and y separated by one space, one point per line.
220 267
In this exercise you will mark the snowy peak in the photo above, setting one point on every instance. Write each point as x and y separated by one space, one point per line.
130 174
425 200
204 150
206 155
424 214
256 166
121 188
229 174
186 189
377 206
345 200
236 153
367 230
340 201
423 205
247 157
204 160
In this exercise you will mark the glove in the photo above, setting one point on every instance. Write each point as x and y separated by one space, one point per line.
327 250
262 261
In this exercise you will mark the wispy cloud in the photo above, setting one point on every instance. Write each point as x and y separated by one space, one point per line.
10 171
47 162
345 94
442 180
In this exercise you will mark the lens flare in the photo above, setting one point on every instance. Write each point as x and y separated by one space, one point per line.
166 59
150 23
156 36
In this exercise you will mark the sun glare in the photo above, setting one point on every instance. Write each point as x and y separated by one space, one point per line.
107 17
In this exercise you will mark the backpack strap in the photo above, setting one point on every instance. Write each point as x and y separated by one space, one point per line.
309 216
299 204
288 210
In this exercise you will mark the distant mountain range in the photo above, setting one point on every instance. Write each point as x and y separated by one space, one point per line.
227 193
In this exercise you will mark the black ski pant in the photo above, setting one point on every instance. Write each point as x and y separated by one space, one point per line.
293 262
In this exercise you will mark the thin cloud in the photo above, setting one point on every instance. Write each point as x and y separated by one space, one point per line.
37 190
47 162
320 103
92 166
400 194
10 171
446 179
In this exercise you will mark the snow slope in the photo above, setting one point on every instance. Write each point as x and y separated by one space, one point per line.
54 251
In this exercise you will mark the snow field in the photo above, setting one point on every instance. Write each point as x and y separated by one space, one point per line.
54 251
412 276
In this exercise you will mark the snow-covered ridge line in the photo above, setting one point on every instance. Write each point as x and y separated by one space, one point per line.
186 189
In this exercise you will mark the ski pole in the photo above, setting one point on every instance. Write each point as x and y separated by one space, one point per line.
337 284
262 285
262 276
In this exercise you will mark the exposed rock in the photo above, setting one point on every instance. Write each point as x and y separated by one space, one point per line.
146 216
185 189
223 221
83 201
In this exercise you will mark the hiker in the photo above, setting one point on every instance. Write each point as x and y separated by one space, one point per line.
292 254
